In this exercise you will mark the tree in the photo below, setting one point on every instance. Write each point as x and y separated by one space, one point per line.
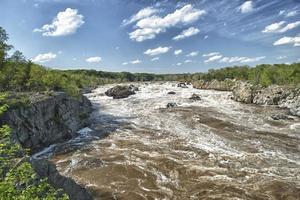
4 47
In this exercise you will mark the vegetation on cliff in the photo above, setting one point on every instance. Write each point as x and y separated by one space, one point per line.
17 177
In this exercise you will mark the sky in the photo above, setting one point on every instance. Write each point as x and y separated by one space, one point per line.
156 36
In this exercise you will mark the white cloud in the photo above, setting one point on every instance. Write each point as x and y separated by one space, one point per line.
125 63
292 13
256 59
273 27
44 57
188 61
65 23
193 54
281 12
213 58
137 61
281 57
211 54
177 52
149 27
93 59
157 51
279 28
60 52
240 59
178 64
205 37
288 40
155 59
145 12
187 33
246 7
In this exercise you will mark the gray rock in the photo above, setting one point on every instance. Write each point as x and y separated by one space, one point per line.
271 95
171 92
119 92
182 85
195 97
243 92
50 120
281 117
172 105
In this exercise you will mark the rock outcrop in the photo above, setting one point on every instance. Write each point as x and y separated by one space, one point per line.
281 96
119 91
243 92
49 120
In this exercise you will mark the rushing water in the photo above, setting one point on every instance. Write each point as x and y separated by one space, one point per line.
214 148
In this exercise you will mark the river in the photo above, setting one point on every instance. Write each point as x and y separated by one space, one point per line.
214 148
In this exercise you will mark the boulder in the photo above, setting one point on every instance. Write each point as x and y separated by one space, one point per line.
195 97
182 85
172 105
281 117
243 92
119 92
171 92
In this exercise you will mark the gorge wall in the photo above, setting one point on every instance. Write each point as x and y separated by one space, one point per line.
47 120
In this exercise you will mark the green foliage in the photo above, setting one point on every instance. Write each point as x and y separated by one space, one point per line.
281 74
17 177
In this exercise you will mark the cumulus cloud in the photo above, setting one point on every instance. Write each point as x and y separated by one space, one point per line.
125 63
280 28
211 54
155 59
246 7
145 12
187 33
157 51
177 52
137 61
213 58
188 61
205 37
178 64
149 27
94 59
44 57
65 23
292 13
193 54
288 40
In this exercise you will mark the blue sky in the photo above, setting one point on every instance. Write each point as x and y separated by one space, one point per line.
153 36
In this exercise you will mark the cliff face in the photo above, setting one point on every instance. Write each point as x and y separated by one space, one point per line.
49 120
245 92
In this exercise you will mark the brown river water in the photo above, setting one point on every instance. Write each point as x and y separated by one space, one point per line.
215 148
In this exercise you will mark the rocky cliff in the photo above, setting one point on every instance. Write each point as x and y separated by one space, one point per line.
245 92
48 120
282 96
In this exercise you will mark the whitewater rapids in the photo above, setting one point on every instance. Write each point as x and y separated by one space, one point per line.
215 148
